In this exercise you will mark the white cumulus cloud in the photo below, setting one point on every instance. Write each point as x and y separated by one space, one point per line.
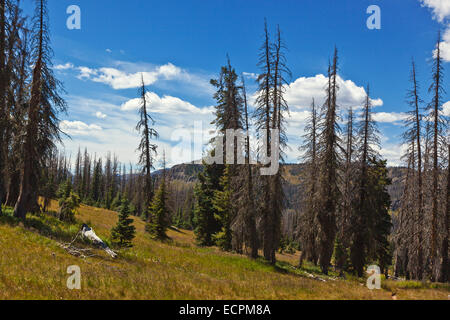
166 105
65 66
300 93
440 8
118 79
78 128
389 117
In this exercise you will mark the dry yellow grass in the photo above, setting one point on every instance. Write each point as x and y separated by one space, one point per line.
33 266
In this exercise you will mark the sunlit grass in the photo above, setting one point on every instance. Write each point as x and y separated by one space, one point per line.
33 266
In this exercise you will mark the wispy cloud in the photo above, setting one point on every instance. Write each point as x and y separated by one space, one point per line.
126 75
78 128
389 117
250 75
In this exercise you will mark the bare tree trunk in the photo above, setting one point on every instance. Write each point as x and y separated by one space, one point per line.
250 217
445 265
420 214
3 113
435 186
266 214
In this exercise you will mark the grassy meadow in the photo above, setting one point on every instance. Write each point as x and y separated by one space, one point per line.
33 266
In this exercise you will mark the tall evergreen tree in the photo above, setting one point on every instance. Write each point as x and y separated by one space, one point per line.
379 222
44 105
11 23
158 220
96 181
223 205
330 162
368 134
3 84
228 113
204 212
19 95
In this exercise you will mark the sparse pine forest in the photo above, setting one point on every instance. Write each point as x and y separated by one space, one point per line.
332 215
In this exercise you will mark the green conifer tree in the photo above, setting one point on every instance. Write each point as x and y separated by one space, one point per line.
158 214
222 202
68 202
204 212
123 233
158 220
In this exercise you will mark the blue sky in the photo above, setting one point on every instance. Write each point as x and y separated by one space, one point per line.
180 45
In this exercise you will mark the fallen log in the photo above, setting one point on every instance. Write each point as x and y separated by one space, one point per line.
77 252
89 233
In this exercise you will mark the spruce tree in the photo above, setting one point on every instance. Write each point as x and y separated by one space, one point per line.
123 233
330 162
204 212
368 135
379 223
222 202
41 129
96 182
158 220
18 110
229 109
68 202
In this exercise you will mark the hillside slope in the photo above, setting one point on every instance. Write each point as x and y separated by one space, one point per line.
33 266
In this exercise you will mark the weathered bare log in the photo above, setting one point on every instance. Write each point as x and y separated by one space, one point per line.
89 233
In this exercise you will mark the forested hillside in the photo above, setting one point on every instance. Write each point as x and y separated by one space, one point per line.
183 178
308 230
